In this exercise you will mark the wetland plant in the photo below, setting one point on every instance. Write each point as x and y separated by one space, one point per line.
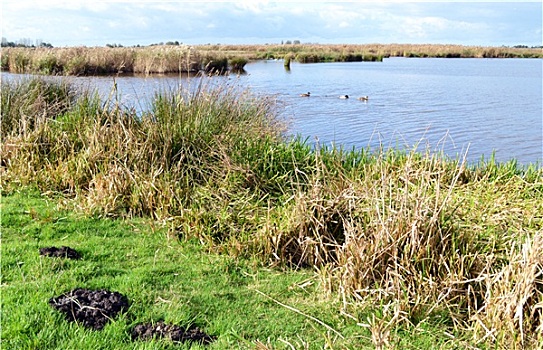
237 64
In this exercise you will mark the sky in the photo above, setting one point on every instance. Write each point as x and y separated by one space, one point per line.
133 22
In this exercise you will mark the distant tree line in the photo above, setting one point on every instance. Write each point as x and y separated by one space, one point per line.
526 47
169 43
25 42
288 42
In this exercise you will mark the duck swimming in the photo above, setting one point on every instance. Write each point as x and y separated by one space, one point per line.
344 97
363 98
306 95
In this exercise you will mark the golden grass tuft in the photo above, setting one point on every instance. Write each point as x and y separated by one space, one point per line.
511 311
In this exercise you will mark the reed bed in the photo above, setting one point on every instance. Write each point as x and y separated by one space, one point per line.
222 58
423 237
346 52
118 60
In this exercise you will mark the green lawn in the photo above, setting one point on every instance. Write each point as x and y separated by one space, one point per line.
163 278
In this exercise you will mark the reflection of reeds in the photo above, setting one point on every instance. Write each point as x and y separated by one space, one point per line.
419 237
218 58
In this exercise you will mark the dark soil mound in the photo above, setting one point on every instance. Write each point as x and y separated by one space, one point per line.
173 332
93 308
62 252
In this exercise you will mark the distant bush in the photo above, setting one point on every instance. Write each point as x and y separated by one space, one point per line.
48 65
76 66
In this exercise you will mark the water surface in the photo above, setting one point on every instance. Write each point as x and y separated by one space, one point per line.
456 105
470 107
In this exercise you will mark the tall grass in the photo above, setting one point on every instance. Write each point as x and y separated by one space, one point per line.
25 106
132 164
427 238
106 60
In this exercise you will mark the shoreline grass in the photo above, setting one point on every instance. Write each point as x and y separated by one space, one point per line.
434 242
223 58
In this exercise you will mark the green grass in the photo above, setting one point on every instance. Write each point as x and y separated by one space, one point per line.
164 279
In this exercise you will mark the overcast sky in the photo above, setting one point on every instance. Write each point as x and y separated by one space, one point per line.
91 22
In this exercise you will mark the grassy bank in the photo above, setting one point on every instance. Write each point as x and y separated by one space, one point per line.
403 241
221 58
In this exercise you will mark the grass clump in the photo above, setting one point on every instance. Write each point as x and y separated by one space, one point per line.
237 64
123 163
29 103
435 243
215 65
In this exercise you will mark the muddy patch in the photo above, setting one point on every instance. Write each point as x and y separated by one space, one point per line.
62 252
92 308
175 333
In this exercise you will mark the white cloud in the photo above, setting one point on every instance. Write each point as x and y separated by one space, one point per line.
260 21
428 29
422 27
255 6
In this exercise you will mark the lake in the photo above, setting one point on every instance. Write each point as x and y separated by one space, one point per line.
471 107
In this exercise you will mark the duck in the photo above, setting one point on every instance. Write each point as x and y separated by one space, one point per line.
306 95
363 98
344 97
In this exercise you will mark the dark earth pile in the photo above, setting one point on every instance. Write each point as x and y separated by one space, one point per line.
92 308
62 252
173 332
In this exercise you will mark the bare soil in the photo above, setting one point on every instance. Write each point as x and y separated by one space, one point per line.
175 333
95 308
62 252
92 308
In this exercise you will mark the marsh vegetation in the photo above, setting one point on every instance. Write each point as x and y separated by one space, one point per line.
401 240
165 59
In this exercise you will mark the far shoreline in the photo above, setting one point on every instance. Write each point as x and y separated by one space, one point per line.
222 58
